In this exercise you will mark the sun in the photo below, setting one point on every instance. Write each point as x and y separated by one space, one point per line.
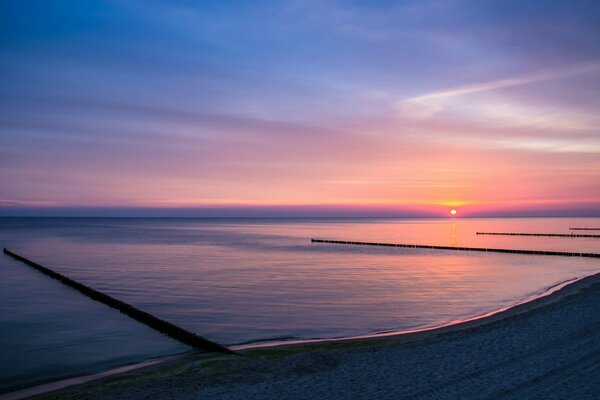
452 212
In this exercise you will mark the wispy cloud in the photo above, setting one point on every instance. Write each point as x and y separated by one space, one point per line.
429 104
515 81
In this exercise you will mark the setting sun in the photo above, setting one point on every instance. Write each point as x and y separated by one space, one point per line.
452 212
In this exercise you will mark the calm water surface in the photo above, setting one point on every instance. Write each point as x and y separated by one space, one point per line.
249 280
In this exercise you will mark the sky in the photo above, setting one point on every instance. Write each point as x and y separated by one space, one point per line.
299 108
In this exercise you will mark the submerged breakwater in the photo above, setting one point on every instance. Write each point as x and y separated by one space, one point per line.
150 320
574 235
460 248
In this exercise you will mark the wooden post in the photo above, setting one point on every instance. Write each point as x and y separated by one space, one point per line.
538 234
150 320
454 248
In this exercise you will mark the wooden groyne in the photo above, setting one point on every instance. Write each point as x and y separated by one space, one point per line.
459 248
539 234
150 320
584 229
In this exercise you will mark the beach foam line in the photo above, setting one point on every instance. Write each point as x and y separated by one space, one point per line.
148 319
461 248
538 234
456 324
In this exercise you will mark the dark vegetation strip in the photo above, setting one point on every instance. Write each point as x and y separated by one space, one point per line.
160 325
584 229
538 234
458 248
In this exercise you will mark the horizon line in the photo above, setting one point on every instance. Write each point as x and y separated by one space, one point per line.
298 213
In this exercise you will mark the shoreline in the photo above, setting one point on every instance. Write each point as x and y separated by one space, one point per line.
456 324
553 294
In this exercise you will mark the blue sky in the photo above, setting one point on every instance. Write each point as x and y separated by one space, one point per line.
388 107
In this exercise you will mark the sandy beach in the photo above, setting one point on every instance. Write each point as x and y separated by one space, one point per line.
547 348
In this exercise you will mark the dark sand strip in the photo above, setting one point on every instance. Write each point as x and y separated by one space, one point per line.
460 248
153 322
45 388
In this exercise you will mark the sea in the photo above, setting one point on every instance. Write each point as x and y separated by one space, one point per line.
251 282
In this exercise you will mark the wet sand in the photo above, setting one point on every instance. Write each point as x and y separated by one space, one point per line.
547 348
